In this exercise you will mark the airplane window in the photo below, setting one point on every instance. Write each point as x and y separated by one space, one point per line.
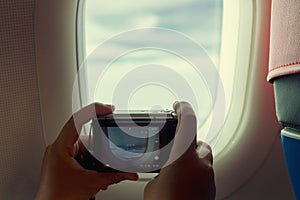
103 22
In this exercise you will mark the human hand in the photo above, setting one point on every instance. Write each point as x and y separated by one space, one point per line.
62 177
191 176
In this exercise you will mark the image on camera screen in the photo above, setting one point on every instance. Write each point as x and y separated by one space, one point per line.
132 142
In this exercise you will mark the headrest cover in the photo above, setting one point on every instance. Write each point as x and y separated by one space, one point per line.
285 39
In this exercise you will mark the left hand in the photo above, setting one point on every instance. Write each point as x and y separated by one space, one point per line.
62 177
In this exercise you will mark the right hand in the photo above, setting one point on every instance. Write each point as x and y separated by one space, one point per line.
191 176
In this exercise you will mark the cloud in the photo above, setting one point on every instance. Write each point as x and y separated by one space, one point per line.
179 14
200 20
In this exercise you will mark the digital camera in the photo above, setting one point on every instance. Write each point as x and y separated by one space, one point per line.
131 141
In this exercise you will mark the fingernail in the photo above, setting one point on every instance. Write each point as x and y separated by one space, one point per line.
203 152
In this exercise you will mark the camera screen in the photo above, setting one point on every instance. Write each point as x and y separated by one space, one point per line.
132 142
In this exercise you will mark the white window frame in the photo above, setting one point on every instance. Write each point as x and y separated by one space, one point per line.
251 126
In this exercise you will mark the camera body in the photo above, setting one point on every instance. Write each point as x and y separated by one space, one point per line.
132 141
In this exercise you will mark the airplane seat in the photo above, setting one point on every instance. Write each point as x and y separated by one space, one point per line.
286 91
284 72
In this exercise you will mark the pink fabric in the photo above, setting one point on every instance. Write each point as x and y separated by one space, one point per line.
285 38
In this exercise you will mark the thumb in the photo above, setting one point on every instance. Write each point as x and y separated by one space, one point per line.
70 132
186 132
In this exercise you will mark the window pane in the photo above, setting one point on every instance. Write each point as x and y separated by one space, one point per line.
199 20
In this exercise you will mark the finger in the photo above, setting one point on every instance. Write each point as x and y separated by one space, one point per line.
183 109
103 180
71 130
186 129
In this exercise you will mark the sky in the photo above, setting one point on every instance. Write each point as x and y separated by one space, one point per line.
199 20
